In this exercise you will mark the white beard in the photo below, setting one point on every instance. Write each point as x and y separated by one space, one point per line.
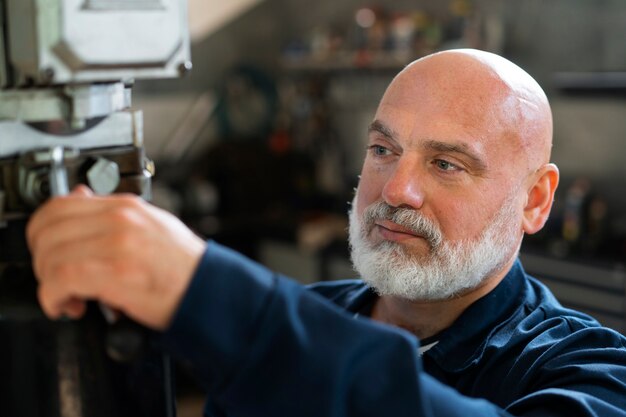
448 270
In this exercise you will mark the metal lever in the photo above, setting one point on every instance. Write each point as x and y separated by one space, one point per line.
58 174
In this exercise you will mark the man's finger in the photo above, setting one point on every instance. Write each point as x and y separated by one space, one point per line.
74 206
83 190
68 230
75 308
63 291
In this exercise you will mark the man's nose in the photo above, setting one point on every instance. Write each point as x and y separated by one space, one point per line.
403 188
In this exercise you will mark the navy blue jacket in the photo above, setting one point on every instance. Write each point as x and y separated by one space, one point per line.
265 346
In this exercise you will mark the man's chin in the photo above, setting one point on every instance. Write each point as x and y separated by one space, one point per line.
403 251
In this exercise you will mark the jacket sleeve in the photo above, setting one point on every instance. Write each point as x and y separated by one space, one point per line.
570 369
265 346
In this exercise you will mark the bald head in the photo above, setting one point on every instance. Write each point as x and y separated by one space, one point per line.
483 91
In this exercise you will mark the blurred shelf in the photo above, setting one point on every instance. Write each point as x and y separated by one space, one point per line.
603 83
348 61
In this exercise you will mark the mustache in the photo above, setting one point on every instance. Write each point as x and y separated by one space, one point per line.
408 218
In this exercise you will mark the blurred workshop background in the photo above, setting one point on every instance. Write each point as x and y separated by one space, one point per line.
260 145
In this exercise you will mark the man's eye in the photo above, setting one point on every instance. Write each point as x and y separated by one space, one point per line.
379 150
445 165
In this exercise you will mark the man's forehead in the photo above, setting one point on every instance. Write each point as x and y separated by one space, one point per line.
489 96
476 122
417 122
470 102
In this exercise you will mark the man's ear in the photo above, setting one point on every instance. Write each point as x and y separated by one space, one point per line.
540 198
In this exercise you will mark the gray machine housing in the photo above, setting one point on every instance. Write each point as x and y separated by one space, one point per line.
66 72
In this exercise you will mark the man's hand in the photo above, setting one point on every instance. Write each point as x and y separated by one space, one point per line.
117 249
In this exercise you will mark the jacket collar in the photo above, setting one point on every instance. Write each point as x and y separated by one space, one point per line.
462 343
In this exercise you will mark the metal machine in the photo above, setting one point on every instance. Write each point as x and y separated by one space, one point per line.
66 72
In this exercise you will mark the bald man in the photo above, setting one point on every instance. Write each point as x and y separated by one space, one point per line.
444 322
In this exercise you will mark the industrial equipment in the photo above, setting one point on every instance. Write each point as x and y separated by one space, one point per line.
67 68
